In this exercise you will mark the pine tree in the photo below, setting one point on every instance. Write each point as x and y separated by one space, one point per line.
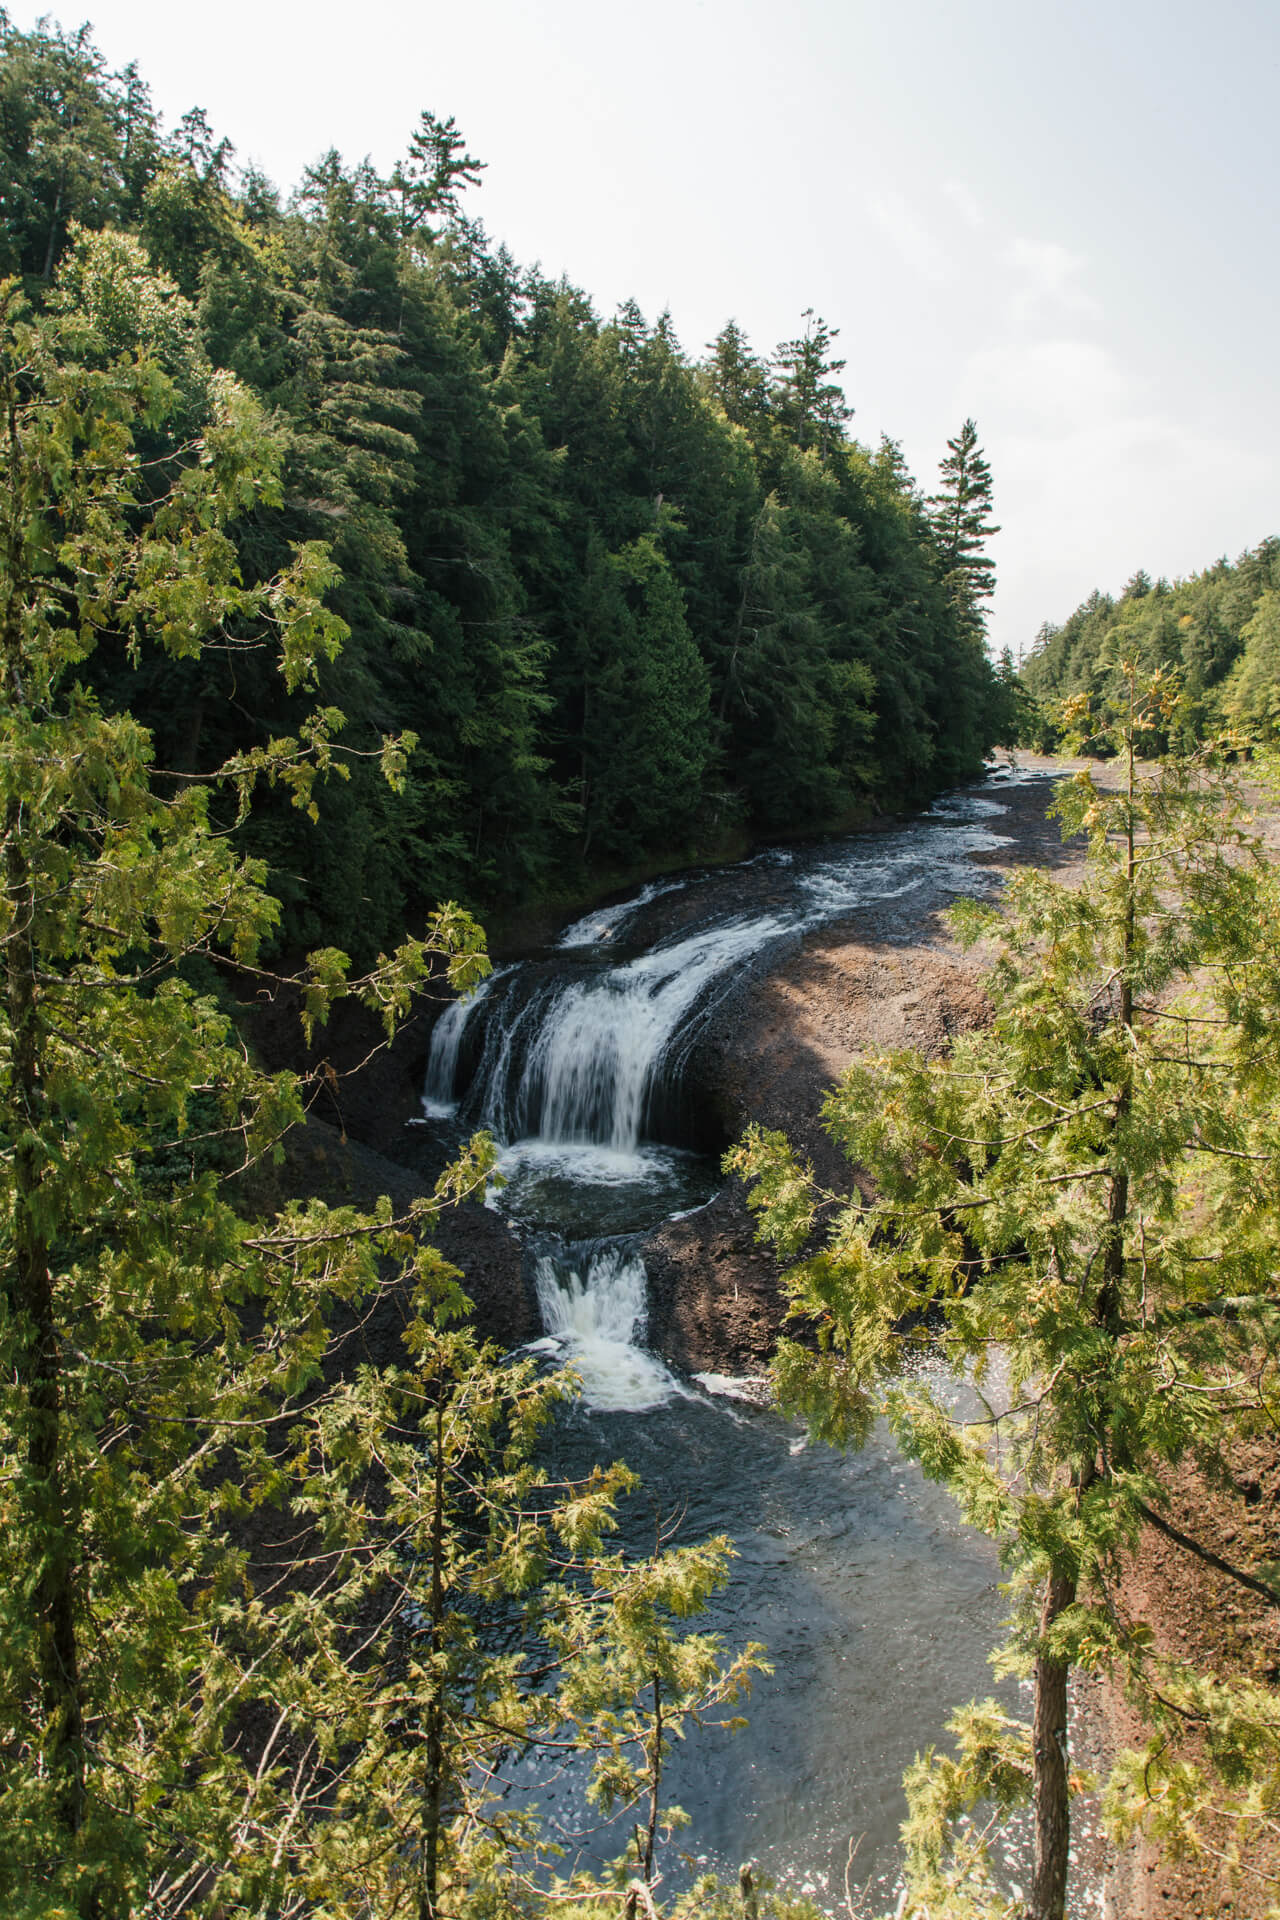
736 379
960 514
60 143
433 177
644 737
807 394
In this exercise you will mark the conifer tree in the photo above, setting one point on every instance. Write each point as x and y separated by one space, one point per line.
960 514
807 393
1089 1188
433 176
59 143
736 379
243 1660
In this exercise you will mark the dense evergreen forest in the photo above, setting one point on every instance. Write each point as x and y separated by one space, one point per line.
630 604
1220 631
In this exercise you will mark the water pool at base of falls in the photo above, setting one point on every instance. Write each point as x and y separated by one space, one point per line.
581 1190
878 1610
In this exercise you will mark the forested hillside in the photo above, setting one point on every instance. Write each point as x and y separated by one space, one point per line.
1220 629
628 603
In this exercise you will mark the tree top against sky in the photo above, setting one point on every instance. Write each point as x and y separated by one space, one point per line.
1034 216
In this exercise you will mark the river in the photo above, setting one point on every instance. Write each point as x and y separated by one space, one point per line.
878 1608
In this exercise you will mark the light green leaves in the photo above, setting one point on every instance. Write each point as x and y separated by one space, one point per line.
1083 1204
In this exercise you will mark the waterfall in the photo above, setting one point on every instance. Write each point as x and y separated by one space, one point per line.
580 1061
577 1056
594 1304
438 1100
603 924
578 1053
852 1568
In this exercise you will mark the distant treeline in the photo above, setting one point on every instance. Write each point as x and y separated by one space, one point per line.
633 606
1219 629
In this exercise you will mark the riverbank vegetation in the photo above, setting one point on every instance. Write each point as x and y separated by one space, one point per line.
1219 631
346 566
629 602
274 1619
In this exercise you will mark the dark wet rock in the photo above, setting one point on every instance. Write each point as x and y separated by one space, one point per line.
354 1079
714 1301
323 1164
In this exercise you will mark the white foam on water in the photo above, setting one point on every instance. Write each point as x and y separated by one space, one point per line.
599 927
964 806
753 1388
603 1038
584 1161
597 1318
438 1099
579 1060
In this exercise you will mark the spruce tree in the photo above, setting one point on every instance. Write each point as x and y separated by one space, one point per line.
807 393
960 515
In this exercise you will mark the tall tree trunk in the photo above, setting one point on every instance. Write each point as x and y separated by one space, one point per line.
1049 1727
1049 1743
55 222
51 1540
432 1812
655 1782
37 1348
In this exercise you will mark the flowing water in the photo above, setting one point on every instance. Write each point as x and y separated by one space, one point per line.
877 1607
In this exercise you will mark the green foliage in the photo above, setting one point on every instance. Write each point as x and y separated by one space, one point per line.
961 522
645 736
70 141
1083 1200
948 1856
1251 694
1214 629
271 1622
808 397
485 461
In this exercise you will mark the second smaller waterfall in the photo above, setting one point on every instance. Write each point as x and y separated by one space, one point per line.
593 1303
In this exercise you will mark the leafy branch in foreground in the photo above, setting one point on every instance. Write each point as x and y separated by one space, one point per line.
1077 1211
249 1617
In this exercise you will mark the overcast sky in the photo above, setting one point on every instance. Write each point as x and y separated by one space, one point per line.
1057 216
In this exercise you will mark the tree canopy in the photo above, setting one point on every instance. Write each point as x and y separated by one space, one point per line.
248 1648
1215 628
484 455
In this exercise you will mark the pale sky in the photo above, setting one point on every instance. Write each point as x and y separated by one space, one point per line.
1056 216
